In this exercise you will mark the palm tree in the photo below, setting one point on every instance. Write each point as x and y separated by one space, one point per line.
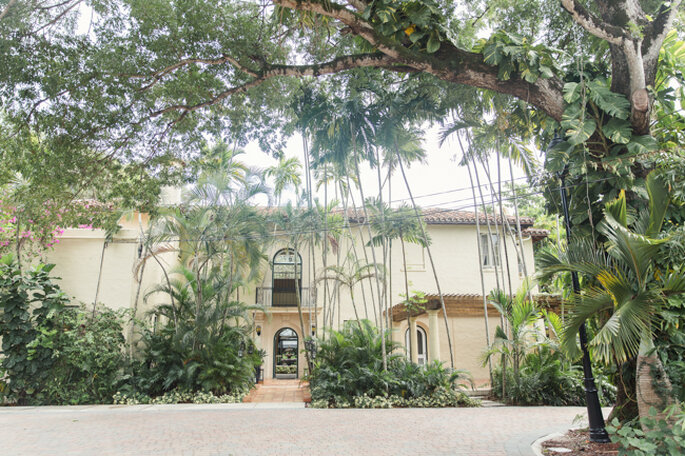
286 173
626 292
401 223
351 273
521 314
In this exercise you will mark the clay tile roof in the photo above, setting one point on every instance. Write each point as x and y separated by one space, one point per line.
442 216
537 234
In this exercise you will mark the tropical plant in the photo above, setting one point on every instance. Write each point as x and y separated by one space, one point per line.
54 354
349 275
349 366
286 173
625 292
88 353
29 302
520 333
652 435
198 346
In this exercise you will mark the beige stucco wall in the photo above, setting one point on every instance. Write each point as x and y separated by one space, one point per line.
468 341
77 262
454 248
455 252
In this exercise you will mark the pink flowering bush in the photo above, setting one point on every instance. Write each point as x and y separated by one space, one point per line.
37 228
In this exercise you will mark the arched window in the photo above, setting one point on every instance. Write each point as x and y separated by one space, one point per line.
285 354
287 278
421 344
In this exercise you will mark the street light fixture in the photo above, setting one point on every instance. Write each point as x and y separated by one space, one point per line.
594 410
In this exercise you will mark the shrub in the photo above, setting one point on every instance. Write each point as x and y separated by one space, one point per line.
348 371
54 354
651 436
213 365
545 378
88 354
179 397
198 346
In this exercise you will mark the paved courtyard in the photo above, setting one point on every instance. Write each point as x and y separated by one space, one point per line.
275 429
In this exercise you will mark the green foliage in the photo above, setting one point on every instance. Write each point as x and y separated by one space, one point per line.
29 302
546 377
198 344
348 371
625 292
440 398
179 397
55 354
418 24
514 54
651 435
88 354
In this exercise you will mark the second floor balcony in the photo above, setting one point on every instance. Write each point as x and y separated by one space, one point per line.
270 297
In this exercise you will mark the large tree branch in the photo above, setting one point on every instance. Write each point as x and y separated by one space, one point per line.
592 23
449 64
158 75
337 65
7 8
654 35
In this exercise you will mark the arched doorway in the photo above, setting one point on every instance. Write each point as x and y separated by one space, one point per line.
286 278
285 353
421 345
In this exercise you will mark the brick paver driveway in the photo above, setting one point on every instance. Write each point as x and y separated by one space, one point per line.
275 429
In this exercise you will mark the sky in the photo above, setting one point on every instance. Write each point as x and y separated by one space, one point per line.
440 182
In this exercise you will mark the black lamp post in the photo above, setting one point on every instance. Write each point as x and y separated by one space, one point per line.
594 410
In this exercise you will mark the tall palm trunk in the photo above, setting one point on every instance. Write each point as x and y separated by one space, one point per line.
346 198
325 253
363 243
382 298
140 285
430 259
298 299
373 252
389 294
653 386
406 297
311 262
518 220
501 215
480 268
491 246
97 287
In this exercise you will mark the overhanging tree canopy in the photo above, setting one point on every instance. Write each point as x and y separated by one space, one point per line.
141 81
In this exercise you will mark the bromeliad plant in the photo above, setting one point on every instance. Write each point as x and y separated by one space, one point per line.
625 292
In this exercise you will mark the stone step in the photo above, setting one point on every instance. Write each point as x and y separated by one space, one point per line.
478 393
489 403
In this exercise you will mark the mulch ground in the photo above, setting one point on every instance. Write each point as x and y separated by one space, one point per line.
578 442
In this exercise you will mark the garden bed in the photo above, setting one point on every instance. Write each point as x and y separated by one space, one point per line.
578 443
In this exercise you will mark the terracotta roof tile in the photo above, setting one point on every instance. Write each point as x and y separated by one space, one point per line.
442 216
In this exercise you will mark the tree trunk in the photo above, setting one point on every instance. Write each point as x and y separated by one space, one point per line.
354 248
480 268
406 297
653 387
430 259
97 287
626 408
